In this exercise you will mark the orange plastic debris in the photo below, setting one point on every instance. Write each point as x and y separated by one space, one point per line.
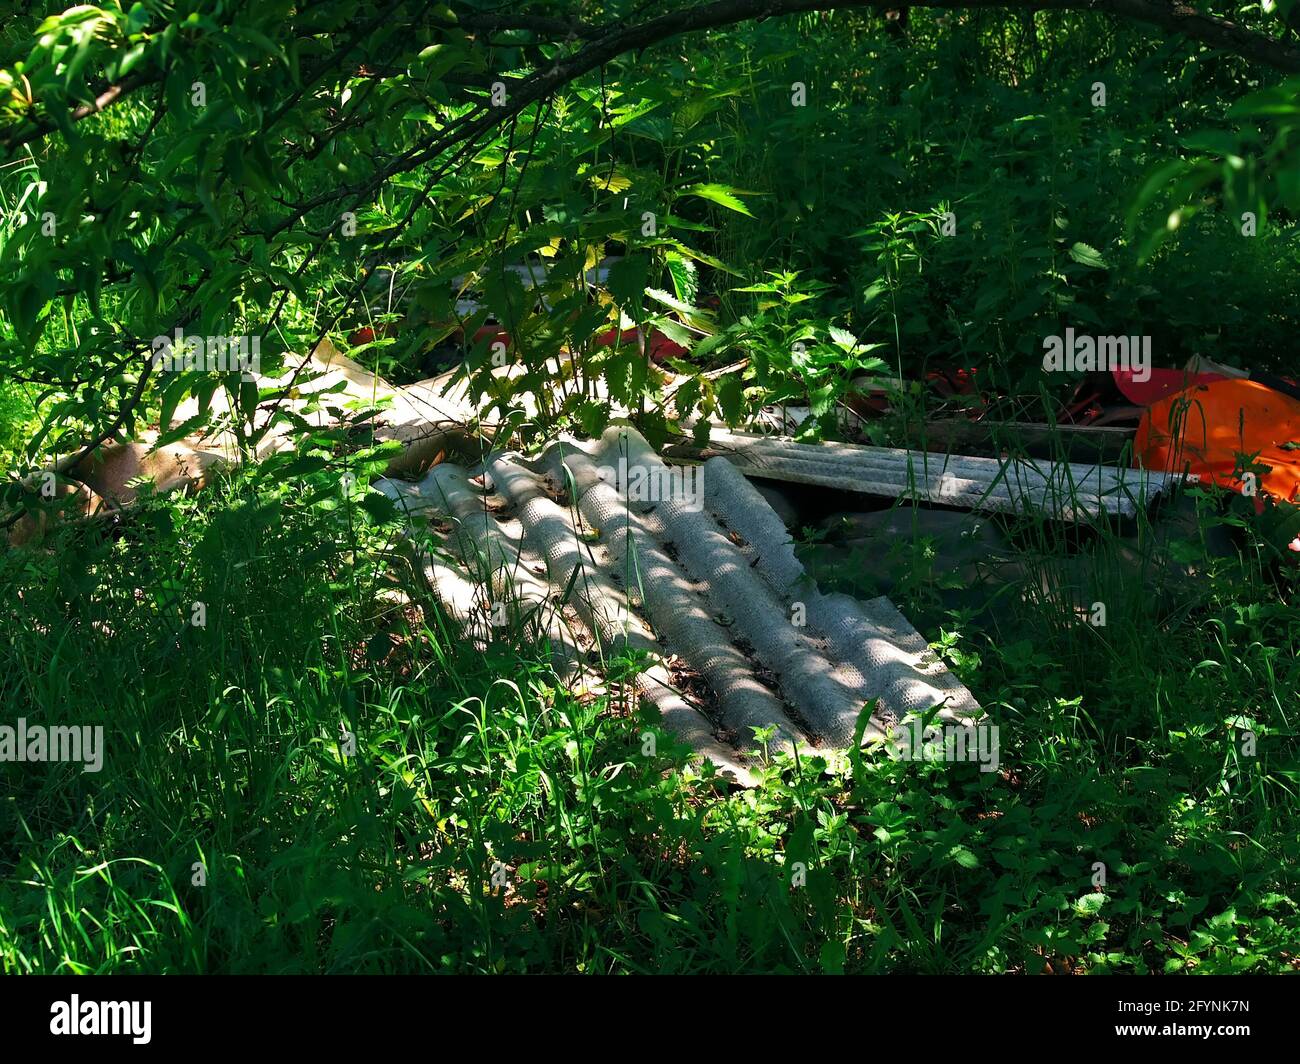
1204 428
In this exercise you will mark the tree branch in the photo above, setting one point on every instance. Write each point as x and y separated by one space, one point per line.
1179 17
38 128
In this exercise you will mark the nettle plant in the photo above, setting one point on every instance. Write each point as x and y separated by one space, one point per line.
607 210
793 357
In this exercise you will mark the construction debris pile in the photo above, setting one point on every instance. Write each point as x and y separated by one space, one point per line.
697 568
605 548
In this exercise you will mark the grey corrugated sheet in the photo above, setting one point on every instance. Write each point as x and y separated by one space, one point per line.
1061 490
712 580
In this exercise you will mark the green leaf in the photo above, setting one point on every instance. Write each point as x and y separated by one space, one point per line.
1088 256
171 397
670 300
822 400
844 339
182 430
731 398
964 857
700 256
27 304
380 507
627 280
676 332
831 957
722 195
683 272
378 647
296 467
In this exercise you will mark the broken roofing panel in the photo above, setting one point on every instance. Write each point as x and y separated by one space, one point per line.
603 543
1062 490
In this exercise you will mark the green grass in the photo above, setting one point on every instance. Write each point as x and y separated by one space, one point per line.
223 747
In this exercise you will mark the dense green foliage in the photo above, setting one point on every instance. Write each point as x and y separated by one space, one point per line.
776 223
225 749
270 159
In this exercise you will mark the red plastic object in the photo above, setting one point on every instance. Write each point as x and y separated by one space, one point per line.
1160 385
661 348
